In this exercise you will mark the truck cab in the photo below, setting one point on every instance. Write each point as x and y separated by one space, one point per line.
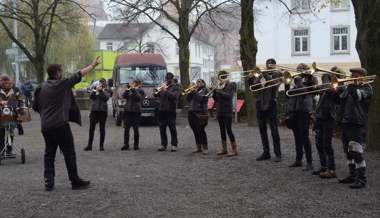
150 69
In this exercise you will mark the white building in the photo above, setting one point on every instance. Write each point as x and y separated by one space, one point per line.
327 36
148 37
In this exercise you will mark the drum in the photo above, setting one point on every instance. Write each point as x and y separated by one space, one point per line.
24 115
7 114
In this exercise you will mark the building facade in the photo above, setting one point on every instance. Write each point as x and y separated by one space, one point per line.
325 33
148 37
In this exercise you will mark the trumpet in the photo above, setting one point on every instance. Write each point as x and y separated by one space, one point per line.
130 87
96 89
190 89
160 88
334 84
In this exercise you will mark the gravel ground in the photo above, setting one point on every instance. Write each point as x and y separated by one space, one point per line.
150 184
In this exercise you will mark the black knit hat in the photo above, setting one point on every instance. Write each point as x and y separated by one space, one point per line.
359 70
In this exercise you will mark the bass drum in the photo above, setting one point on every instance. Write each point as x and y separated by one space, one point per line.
24 115
7 114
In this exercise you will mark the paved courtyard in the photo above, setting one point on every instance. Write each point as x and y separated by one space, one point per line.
146 183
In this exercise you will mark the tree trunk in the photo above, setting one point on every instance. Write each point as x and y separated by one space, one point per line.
39 67
184 65
367 15
248 50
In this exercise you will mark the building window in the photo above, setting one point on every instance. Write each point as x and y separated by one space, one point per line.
301 42
109 46
340 39
340 5
301 5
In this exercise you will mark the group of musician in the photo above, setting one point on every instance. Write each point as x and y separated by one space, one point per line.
345 102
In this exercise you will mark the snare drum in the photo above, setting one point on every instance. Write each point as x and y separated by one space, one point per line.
24 115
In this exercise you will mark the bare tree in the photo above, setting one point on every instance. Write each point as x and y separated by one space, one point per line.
186 15
38 17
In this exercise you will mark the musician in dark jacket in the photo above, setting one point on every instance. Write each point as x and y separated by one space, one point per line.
355 100
223 97
325 115
55 102
300 108
168 97
9 96
134 96
99 111
266 107
198 116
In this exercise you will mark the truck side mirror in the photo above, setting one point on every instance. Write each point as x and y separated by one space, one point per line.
110 82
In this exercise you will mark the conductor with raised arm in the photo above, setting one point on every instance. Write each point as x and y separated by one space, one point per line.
55 102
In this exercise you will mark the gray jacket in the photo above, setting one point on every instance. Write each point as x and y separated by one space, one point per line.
134 99
198 100
169 98
355 101
224 99
56 104
99 100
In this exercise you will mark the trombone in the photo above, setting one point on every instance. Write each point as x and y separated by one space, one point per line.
335 84
256 72
316 69
278 81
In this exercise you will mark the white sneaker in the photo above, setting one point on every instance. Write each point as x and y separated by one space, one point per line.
205 152
174 149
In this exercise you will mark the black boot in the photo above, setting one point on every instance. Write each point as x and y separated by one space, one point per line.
351 178
79 183
199 149
297 163
101 148
125 148
136 147
264 156
49 184
88 148
360 180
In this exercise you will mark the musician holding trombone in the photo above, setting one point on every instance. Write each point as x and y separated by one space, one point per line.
134 96
299 109
355 99
99 111
168 94
223 95
325 117
266 106
197 114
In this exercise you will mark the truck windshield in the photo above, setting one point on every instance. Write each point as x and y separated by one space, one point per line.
147 75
